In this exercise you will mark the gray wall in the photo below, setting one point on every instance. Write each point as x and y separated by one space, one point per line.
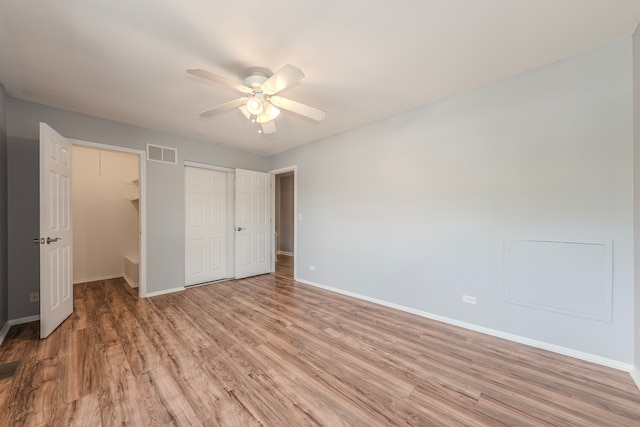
4 280
24 225
636 188
414 210
165 185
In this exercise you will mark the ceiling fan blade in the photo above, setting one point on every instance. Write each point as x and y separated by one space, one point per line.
269 128
298 108
245 111
216 78
224 107
284 77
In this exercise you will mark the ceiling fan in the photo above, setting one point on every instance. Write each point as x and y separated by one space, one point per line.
260 102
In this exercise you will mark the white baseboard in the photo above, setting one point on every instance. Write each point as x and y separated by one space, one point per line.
129 281
635 375
4 331
95 279
166 291
21 320
285 253
616 364
12 322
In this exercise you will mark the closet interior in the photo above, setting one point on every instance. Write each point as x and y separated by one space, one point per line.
106 217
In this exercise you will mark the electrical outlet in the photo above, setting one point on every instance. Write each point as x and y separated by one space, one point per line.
312 267
468 299
34 297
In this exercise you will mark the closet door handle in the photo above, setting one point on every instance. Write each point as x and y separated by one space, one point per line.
240 228
55 239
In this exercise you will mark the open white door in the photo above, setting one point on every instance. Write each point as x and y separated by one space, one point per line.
253 223
56 233
206 225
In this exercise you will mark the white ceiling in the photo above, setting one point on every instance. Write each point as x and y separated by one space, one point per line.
364 60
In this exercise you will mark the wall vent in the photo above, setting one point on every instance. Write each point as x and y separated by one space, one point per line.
157 153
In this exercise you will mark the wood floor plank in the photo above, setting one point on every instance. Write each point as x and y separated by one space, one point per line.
320 387
269 351
152 402
117 399
23 339
82 412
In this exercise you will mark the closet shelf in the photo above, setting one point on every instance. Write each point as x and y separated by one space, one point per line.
135 197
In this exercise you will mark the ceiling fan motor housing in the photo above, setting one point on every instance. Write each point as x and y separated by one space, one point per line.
255 80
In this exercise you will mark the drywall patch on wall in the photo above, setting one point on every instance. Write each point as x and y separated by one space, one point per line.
572 277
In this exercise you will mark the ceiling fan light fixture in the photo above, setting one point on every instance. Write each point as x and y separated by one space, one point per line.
260 102
269 113
255 105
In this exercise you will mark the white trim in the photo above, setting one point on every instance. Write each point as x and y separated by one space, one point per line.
166 291
208 166
129 280
285 253
105 147
4 331
294 169
231 223
142 203
95 279
21 320
635 376
616 364
12 322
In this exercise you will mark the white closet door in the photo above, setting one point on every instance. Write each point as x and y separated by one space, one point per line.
206 226
253 222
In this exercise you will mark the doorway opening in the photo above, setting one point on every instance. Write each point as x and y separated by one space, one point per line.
108 214
285 219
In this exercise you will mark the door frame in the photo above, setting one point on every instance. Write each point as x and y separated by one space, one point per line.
231 226
294 169
142 203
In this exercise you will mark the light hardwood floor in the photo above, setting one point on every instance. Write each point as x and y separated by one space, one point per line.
273 352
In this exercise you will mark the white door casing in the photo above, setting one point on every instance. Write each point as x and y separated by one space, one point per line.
253 223
206 226
56 232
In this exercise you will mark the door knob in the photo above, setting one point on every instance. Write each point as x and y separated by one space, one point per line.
240 228
50 240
